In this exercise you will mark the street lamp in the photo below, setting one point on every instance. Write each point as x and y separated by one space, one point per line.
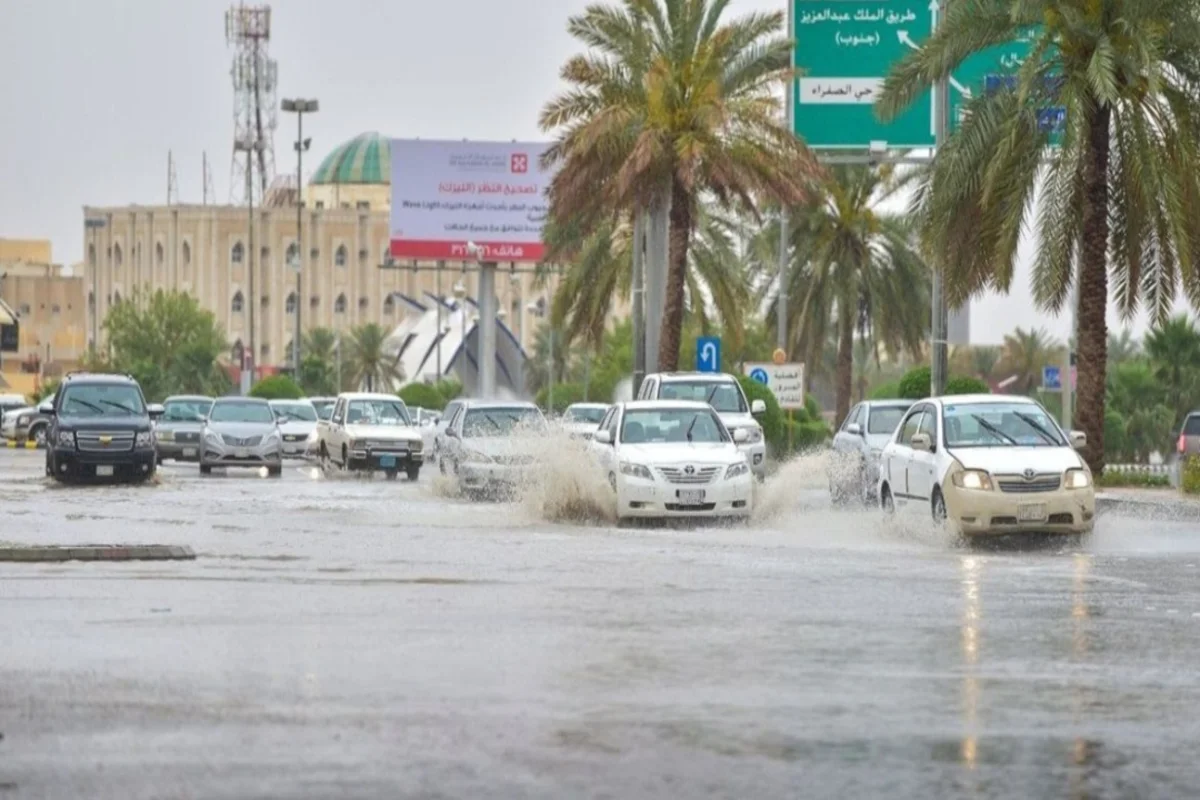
299 108
532 308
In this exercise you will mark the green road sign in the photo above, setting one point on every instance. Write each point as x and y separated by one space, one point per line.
845 49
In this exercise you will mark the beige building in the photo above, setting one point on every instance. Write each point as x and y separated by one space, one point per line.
243 275
50 302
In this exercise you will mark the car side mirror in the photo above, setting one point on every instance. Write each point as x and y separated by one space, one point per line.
758 407
204 419
740 436
453 434
1078 440
602 437
47 409
854 429
921 441
155 410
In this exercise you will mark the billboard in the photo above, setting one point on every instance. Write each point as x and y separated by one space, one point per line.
446 194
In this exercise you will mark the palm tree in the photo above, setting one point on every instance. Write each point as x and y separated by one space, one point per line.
855 267
1122 348
672 103
1119 188
370 364
983 361
1174 350
1025 353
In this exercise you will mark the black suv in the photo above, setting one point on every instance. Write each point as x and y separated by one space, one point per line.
100 427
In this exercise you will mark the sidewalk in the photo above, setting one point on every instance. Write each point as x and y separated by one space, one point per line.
1157 502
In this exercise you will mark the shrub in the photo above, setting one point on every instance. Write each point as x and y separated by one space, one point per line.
965 384
564 395
915 385
886 391
1189 481
277 387
449 389
807 427
1114 478
422 395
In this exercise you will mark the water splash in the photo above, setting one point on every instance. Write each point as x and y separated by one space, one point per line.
566 484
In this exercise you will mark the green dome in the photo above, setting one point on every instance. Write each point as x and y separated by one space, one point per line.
365 159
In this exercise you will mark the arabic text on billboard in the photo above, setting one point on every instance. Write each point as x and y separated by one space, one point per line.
447 194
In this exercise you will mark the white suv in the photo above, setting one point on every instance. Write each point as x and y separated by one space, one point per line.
723 392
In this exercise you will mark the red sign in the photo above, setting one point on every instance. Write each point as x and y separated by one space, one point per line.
519 162
488 251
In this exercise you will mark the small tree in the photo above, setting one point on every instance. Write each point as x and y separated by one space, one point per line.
422 395
277 387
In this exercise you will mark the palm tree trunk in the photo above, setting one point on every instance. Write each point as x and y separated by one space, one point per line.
1093 294
845 359
680 233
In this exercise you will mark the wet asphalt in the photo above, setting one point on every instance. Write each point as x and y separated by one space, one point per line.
345 638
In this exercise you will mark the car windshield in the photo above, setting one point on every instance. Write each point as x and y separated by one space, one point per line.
884 419
101 400
502 421
1000 425
725 397
186 410
295 412
577 414
672 425
240 412
324 408
1191 426
377 412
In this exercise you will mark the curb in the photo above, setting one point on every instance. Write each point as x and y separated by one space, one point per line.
27 445
104 552
1152 507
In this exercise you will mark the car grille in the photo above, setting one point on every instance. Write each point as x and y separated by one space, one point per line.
698 475
1021 485
234 441
181 436
514 461
99 442
294 437
382 444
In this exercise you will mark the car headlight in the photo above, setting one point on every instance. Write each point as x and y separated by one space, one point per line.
144 439
24 419
273 436
1078 479
312 436
754 435
740 468
166 436
213 437
973 479
476 456
636 470
66 438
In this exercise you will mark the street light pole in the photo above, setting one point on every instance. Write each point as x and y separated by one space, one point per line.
938 315
300 108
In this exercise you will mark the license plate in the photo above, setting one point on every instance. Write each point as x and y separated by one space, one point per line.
104 471
189 451
387 461
241 452
691 497
1032 512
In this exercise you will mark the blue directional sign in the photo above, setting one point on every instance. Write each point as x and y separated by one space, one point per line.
1052 378
708 353
760 375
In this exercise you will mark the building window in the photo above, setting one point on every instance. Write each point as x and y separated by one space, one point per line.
389 306
363 303
55 309
339 258
237 253
314 301
363 205
264 351
264 254
116 300
293 255
187 254
265 301
320 204
118 256
24 310
238 303
158 255
92 255
291 303
339 305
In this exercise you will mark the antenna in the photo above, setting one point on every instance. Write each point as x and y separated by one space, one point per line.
255 77
209 194
172 181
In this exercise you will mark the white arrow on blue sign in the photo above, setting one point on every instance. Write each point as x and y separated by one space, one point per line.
1052 378
708 353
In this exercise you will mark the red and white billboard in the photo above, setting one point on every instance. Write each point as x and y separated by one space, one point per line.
446 195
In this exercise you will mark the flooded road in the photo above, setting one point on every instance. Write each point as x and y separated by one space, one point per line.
362 639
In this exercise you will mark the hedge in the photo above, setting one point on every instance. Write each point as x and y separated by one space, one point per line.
277 387
807 427
564 395
422 395
1189 480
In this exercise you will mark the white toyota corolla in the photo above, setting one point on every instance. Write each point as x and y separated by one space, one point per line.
672 459
988 464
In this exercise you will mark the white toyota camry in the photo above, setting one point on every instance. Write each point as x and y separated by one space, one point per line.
672 459
988 464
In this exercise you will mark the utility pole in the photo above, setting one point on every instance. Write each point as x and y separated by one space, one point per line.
300 108
1068 377
639 317
781 303
938 320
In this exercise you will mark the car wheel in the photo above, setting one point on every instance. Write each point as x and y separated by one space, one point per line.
413 473
885 500
38 435
276 471
938 506
205 469
390 474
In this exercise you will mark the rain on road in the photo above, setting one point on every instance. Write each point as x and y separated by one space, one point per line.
363 638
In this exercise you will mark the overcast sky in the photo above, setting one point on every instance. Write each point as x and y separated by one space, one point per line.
95 92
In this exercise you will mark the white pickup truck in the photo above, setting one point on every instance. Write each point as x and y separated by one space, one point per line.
370 432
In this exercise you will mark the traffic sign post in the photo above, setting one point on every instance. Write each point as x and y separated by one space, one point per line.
1052 378
845 50
708 353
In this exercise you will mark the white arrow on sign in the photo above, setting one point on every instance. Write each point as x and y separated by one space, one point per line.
907 41
708 354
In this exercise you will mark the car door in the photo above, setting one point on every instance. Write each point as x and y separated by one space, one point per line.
448 414
452 443
897 455
921 464
606 454
337 429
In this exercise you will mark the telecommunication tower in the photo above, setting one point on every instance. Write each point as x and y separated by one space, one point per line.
255 76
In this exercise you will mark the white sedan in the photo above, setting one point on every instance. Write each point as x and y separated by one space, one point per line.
668 458
988 464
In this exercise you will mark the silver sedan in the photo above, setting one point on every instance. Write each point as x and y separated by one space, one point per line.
241 432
